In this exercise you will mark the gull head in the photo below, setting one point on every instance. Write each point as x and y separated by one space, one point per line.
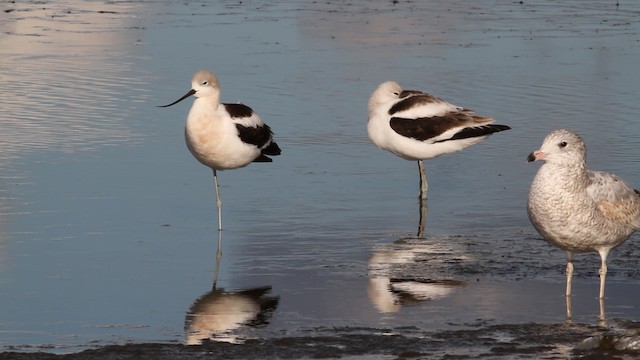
562 147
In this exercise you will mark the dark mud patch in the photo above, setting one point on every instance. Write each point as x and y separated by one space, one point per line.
525 341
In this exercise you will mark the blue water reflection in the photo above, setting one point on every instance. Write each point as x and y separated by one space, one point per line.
108 226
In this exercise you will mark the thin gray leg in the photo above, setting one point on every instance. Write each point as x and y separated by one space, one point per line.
422 199
218 199
218 258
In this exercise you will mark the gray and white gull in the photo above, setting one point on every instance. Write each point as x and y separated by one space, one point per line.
576 209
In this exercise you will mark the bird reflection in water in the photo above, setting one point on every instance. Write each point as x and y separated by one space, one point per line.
397 275
602 320
221 315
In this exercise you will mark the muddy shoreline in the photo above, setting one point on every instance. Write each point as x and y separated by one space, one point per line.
502 341
496 341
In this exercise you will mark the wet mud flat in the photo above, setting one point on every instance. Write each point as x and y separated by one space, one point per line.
526 341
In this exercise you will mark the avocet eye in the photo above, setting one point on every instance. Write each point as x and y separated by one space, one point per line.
563 144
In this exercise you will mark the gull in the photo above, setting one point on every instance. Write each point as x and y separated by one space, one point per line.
576 209
224 136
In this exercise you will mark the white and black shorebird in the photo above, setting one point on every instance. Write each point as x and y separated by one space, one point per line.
224 136
576 209
418 126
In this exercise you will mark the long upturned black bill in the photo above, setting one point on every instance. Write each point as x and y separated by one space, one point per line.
191 92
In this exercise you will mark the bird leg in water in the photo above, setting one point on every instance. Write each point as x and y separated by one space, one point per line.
568 290
569 272
218 258
569 312
602 320
422 199
603 269
423 181
422 223
218 199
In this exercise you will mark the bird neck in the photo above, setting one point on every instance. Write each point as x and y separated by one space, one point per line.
206 103
562 174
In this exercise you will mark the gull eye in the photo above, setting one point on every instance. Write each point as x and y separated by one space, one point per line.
563 144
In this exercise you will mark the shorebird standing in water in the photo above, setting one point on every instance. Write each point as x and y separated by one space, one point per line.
224 136
418 126
579 210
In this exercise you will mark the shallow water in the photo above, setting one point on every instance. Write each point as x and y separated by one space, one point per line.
107 226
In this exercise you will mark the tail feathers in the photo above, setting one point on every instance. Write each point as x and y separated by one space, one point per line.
263 158
477 131
272 149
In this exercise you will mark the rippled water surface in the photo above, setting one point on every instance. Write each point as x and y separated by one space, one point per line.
108 226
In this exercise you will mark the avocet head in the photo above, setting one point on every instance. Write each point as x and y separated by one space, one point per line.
387 91
563 147
203 84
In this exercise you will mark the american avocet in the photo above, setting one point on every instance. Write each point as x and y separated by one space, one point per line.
576 209
224 136
418 126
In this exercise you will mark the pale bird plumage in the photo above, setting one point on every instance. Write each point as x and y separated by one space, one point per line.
417 126
224 136
576 209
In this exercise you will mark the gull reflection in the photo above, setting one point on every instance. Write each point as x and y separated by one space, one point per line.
602 320
399 276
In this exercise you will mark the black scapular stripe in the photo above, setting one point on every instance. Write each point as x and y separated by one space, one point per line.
410 102
238 110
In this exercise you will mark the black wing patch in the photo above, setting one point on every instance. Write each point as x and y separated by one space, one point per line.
254 135
476 131
431 127
425 128
259 136
406 93
412 101
238 110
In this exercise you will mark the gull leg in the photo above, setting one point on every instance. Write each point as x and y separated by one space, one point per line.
603 270
602 320
568 290
569 272
603 274
218 199
569 312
